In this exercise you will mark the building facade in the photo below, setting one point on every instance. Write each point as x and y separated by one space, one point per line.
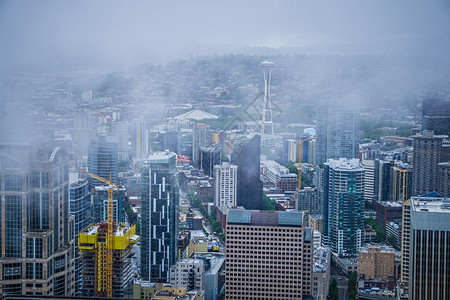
103 160
310 201
343 203
80 208
426 156
226 186
159 216
37 240
261 247
99 198
376 262
337 133
436 116
189 274
430 248
444 179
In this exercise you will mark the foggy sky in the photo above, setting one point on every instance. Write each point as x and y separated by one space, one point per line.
122 33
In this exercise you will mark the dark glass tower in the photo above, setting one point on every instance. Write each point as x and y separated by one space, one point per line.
246 155
436 116
159 222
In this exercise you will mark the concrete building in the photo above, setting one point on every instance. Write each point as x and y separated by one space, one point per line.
337 132
201 138
37 232
159 216
80 208
310 201
369 179
321 272
189 274
92 245
279 175
214 274
444 179
387 212
395 229
290 151
226 186
430 248
427 154
343 203
257 240
401 186
140 138
376 262
406 238
316 222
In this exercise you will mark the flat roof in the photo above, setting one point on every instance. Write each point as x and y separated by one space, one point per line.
265 218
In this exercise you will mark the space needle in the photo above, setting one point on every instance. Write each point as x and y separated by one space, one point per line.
266 120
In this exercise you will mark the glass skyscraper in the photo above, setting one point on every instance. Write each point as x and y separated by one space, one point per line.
103 159
80 208
343 203
159 221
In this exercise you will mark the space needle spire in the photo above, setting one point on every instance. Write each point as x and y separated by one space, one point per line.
266 120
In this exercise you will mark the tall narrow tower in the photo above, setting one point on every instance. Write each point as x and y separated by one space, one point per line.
267 106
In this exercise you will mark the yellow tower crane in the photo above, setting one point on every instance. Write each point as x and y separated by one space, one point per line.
105 257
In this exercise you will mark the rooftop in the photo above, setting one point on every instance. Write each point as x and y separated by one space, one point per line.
265 218
345 164
196 114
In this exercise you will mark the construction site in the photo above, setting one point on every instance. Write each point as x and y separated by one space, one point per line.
106 273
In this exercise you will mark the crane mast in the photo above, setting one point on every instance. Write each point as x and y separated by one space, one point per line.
105 264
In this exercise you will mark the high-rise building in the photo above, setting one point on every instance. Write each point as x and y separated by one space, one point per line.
189 274
429 248
159 221
310 201
103 160
141 139
369 179
337 133
436 116
444 179
80 208
226 186
37 233
427 154
401 182
172 140
382 179
405 244
276 250
376 262
290 151
209 157
92 242
99 200
201 138
343 203
120 130
246 155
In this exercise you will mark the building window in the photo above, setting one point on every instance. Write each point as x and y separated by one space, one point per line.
13 182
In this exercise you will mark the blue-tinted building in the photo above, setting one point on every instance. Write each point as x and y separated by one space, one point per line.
80 208
343 203
100 204
103 159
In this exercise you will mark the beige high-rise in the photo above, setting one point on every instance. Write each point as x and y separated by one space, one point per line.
376 262
268 255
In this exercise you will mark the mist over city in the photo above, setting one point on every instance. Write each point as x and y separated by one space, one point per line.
225 149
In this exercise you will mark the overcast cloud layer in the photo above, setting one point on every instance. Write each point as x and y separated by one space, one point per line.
121 33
